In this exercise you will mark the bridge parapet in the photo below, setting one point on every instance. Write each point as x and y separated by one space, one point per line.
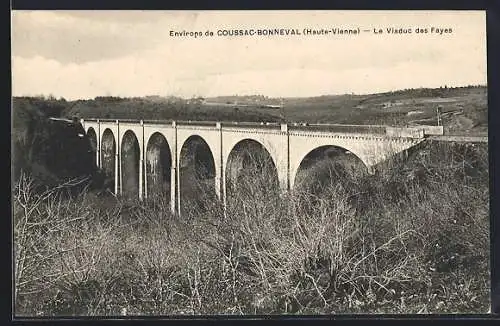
405 132
432 130
413 132
342 128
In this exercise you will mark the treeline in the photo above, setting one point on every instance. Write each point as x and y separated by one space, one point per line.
39 105
249 99
169 109
433 92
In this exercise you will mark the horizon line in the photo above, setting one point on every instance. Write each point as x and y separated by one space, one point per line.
445 86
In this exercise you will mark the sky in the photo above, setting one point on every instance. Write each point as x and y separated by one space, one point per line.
84 54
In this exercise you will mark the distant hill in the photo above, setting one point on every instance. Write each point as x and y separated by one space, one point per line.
257 100
52 150
465 109
154 108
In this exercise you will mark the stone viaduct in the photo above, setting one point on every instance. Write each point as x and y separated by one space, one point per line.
142 155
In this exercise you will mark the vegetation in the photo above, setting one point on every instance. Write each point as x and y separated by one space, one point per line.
410 239
50 151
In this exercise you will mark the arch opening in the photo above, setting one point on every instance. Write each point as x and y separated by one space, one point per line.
197 175
108 153
158 165
92 138
325 168
250 173
130 152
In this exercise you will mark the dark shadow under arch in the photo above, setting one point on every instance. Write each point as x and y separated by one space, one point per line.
92 137
327 165
197 174
108 153
158 167
130 152
250 172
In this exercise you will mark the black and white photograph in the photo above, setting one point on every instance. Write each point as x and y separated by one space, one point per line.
249 163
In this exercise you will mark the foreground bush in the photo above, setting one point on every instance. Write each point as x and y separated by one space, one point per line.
413 239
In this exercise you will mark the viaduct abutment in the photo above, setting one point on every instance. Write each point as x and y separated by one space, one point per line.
133 154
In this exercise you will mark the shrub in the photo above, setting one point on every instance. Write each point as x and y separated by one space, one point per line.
412 239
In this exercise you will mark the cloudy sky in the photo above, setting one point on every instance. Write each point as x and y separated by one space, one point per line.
83 54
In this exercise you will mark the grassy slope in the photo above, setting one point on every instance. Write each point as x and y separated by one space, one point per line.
399 108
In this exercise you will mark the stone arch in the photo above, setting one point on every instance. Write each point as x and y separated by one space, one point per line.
130 156
250 170
92 138
108 153
158 166
196 173
324 165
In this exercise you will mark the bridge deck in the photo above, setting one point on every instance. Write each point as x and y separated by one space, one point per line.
292 126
